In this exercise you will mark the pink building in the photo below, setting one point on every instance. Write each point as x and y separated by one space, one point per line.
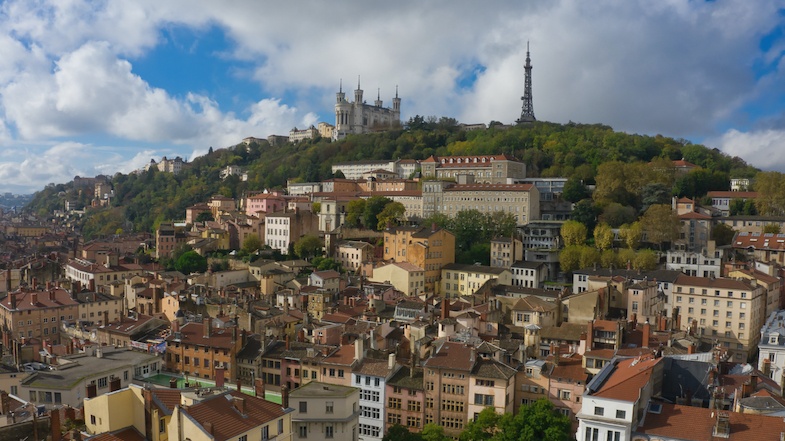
405 390
264 202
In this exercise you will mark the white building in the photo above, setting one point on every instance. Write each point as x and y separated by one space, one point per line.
699 264
529 274
371 377
771 355
325 411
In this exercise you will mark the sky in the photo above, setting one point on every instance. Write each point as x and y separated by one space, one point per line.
100 87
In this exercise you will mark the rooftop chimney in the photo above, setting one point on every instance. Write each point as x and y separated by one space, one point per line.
391 361
284 397
33 298
91 390
206 325
173 383
219 376
590 335
259 388
13 300
646 334
445 308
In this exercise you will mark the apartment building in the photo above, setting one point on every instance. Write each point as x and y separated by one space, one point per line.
371 376
532 383
492 169
36 314
325 411
505 251
491 384
771 349
446 375
167 237
726 311
405 390
351 254
285 228
405 277
462 280
197 349
429 248
520 200
263 203
528 274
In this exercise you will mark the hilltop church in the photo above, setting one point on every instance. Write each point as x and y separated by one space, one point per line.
357 117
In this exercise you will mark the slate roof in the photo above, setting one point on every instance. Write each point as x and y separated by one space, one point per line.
489 368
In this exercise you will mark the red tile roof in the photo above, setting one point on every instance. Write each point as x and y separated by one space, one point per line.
227 421
697 423
55 298
451 356
627 379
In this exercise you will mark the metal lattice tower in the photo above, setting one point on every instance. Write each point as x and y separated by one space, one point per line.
527 113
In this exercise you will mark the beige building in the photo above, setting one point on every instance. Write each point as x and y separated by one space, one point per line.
429 248
325 411
446 375
357 117
520 200
727 311
404 276
491 169
351 254
297 135
463 280
505 251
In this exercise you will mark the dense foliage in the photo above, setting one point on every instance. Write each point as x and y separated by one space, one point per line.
577 151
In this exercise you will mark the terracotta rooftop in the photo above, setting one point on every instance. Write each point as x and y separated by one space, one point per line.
375 368
766 241
227 421
696 423
127 434
716 283
627 379
193 333
451 355
55 298
569 370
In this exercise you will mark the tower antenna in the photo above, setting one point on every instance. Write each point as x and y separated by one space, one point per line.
527 112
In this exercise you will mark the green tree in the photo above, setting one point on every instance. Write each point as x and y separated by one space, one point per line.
615 214
654 193
392 214
500 224
339 175
586 212
191 262
722 234
468 227
316 207
535 422
608 259
434 432
251 244
308 246
574 190
205 216
645 260
631 234
570 258
373 207
354 213
603 237
483 427
589 256
660 224
771 228
573 233
401 433
625 258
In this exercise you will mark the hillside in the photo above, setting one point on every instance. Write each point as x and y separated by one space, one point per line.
548 149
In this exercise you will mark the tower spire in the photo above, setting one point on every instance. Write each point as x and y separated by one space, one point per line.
340 86
358 82
527 112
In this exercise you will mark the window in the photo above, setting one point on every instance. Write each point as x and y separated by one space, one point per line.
162 425
599 411
564 394
328 407
621 414
328 431
265 434
394 403
102 382
592 434
302 431
303 407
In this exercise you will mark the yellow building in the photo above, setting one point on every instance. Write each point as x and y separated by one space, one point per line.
177 415
463 280
405 277
429 248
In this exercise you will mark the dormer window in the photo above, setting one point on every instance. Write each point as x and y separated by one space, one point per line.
774 339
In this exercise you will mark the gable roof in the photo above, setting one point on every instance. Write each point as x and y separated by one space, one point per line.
227 421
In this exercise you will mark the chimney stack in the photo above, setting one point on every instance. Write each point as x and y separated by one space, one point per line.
259 388
219 376
646 334
284 397
445 308
33 298
391 361
172 383
13 300
114 384
691 348
206 325
590 335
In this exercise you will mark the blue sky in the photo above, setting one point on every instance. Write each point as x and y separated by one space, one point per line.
92 87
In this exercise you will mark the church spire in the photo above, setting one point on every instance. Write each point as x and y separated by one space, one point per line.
340 86
527 112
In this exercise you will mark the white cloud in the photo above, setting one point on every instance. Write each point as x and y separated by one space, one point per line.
675 67
763 148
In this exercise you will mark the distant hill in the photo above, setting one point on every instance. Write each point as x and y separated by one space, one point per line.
548 149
